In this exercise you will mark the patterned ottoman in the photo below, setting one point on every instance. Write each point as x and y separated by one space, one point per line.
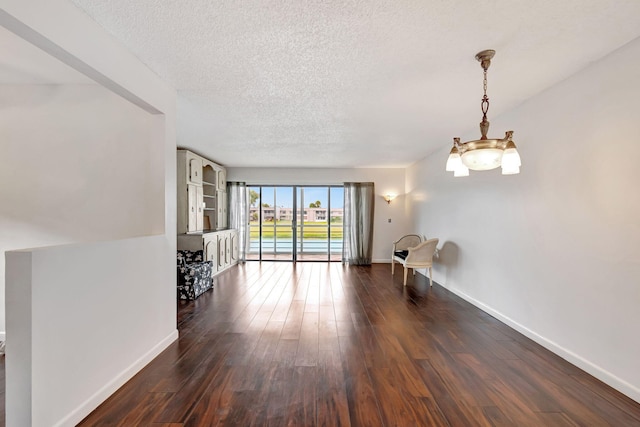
194 275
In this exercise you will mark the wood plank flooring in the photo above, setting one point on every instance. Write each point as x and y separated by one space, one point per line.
319 344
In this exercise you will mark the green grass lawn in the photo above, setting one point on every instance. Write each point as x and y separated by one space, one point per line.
311 230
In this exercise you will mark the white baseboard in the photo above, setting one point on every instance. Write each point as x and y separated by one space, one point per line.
587 366
381 261
3 336
101 395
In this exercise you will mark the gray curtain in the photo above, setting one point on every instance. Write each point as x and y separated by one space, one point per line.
239 214
358 222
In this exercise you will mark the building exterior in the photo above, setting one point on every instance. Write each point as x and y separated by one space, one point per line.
269 213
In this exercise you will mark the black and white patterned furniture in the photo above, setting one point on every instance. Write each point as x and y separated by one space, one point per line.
194 274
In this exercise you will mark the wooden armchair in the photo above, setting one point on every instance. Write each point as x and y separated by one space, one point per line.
419 256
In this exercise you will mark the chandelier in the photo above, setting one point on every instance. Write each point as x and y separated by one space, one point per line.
484 153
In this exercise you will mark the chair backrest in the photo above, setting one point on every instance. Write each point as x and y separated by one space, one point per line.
408 241
428 248
422 255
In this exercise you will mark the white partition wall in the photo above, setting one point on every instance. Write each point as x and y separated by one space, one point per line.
555 250
81 328
93 165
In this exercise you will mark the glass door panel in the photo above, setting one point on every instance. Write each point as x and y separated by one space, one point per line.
254 223
336 202
312 225
276 216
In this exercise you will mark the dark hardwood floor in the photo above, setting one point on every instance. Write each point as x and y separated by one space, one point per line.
322 344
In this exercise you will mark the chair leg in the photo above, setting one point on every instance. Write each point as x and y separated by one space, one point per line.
414 271
393 264
405 276
430 277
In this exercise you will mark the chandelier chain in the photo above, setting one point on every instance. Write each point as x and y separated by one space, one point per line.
485 98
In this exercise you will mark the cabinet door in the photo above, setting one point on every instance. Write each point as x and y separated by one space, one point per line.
221 253
194 196
193 208
195 170
221 202
227 249
225 214
199 210
222 180
235 248
211 252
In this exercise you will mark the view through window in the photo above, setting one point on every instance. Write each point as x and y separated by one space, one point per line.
295 223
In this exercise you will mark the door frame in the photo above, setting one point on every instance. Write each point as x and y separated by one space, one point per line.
294 222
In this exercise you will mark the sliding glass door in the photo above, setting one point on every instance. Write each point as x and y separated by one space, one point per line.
296 223
319 223
271 223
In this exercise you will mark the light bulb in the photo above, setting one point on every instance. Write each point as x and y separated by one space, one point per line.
461 170
510 170
454 161
511 158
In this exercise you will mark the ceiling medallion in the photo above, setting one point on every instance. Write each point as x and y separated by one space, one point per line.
484 153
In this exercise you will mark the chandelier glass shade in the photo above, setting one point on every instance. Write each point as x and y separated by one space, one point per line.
484 153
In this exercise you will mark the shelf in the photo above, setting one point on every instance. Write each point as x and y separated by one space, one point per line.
209 196
209 209
208 183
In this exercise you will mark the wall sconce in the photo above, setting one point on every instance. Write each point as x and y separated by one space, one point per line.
389 197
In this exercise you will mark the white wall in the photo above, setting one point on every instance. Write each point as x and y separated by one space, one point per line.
132 335
387 181
72 157
555 250
65 336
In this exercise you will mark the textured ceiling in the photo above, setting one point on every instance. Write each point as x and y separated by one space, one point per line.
329 83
